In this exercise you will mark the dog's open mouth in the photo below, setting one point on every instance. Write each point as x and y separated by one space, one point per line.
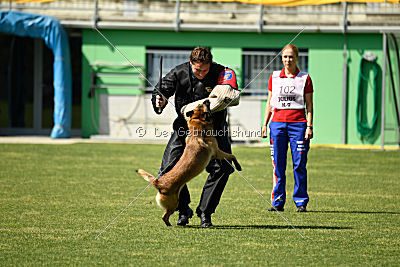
201 112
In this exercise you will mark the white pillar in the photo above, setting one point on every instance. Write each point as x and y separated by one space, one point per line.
384 44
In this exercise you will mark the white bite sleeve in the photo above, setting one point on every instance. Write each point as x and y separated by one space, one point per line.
221 97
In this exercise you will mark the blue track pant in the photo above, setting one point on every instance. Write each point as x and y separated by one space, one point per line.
281 134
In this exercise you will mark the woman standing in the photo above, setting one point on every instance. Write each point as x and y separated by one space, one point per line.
290 104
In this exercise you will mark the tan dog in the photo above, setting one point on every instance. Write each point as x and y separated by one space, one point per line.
201 146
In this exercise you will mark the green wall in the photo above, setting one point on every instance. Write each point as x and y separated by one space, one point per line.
391 126
325 67
96 49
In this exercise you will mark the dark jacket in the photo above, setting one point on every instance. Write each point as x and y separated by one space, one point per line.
187 89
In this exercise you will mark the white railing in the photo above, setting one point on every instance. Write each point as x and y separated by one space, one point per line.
202 15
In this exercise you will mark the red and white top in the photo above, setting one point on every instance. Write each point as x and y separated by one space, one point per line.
288 95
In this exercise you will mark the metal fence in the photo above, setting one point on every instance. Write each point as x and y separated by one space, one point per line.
259 65
171 58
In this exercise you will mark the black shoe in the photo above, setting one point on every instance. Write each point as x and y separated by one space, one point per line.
276 208
205 220
301 209
184 217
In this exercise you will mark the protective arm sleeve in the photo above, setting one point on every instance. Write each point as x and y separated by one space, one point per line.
221 97
225 93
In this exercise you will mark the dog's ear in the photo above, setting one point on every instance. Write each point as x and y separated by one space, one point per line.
189 113
207 103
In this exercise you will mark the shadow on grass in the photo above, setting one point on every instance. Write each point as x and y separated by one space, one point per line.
353 211
270 227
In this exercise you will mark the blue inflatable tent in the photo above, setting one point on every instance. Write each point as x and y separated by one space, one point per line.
55 37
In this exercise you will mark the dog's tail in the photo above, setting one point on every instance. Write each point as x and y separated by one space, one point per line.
147 176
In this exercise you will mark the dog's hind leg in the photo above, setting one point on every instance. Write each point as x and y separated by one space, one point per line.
219 154
166 215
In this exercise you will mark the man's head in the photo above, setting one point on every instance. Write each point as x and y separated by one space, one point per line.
200 61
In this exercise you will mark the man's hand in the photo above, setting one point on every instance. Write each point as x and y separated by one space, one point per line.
160 102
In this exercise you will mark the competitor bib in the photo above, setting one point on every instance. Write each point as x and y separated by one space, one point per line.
288 93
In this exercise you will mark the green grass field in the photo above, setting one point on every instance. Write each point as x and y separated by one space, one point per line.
55 199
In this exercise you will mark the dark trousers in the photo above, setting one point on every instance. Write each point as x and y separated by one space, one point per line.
214 186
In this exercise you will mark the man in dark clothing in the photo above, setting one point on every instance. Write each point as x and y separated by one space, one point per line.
192 81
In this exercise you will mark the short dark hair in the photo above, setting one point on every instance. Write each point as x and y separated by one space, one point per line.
201 54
